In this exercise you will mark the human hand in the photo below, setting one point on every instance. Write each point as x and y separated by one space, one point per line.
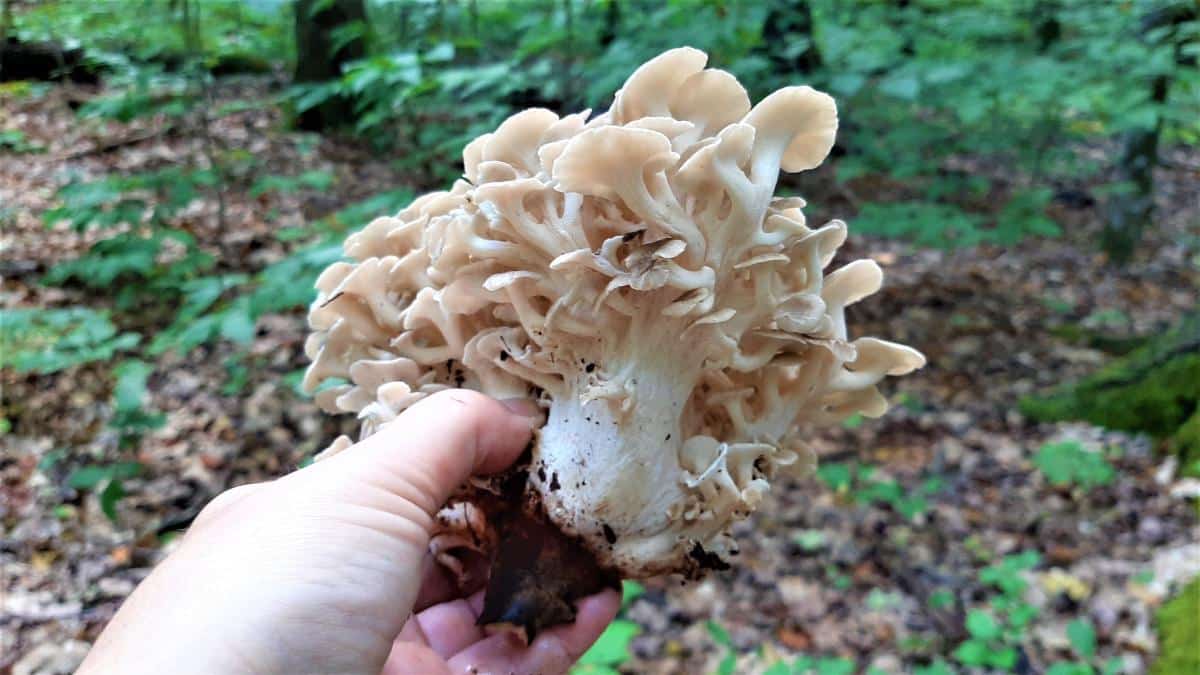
327 570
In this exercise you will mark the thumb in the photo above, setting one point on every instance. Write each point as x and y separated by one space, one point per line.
432 448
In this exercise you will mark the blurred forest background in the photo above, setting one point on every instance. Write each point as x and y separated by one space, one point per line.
174 173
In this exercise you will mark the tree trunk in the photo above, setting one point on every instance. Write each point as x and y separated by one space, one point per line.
320 55
1131 210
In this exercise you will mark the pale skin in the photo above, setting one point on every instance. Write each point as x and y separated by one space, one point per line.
327 570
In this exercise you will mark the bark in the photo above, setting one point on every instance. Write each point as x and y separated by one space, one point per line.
1131 211
320 58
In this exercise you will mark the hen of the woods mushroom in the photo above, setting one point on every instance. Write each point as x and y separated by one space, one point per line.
635 274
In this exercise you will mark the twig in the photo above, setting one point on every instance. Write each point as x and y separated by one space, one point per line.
210 153
191 36
105 148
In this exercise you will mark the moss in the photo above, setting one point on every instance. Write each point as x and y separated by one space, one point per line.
1186 444
1179 634
1155 389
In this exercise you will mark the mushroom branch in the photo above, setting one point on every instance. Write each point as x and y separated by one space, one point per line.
635 274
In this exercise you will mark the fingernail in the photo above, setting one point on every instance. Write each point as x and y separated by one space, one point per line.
521 406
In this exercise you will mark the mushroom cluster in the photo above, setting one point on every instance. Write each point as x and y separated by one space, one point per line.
636 275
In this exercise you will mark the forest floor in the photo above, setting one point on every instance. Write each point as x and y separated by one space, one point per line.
876 565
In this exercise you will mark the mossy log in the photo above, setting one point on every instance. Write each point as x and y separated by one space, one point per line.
1154 389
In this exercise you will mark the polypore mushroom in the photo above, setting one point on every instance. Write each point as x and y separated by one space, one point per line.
636 276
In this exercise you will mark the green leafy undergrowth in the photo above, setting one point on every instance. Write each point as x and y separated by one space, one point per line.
49 340
15 141
996 631
1082 636
867 485
1068 463
107 481
130 418
225 35
803 664
150 254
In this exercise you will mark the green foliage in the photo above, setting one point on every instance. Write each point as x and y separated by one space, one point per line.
995 632
1177 626
630 591
49 340
146 92
924 88
809 540
228 307
14 141
1068 463
1007 576
155 257
315 180
151 255
928 83
723 640
1082 635
151 198
986 646
107 481
225 35
867 487
129 418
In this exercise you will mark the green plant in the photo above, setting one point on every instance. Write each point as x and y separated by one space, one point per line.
867 486
224 35
995 632
725 642
1082 636
1007 576
827 665
151 251
314 180
130 418
987 645
49 340
107 480
1068 463
15 141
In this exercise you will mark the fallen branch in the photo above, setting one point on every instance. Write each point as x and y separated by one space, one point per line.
105 148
